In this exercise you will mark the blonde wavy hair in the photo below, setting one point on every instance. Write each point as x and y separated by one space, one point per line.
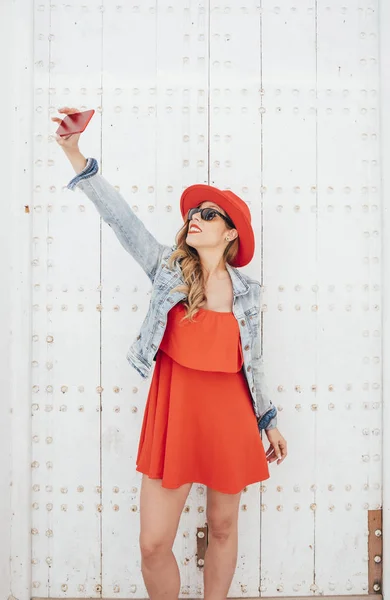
191 268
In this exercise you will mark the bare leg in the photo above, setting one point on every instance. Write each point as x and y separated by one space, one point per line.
160 510
221 553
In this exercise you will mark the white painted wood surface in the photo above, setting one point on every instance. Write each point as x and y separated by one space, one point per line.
16 170
281 104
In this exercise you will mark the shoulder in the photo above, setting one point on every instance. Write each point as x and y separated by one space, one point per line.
251 281
254 295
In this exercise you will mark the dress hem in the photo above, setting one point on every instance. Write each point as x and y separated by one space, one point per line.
175 487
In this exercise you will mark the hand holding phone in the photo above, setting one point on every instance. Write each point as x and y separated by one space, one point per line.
70 128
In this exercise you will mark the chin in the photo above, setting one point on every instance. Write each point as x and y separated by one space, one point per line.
189 241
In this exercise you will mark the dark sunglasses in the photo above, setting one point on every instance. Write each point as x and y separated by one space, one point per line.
208 214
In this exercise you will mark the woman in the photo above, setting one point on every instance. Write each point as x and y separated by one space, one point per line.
207 400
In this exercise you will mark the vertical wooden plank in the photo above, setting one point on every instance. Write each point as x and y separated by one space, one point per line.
155 143
41 486
383 16
288 174
195 116
15 298
66 317
235 155
348 351
181 160
128 162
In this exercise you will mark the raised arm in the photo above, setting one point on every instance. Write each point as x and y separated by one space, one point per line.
113 208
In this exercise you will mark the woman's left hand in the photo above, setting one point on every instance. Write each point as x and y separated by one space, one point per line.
278 448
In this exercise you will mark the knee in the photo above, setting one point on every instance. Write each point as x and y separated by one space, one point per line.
221 528
151 547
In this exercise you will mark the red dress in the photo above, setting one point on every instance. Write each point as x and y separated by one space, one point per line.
199 424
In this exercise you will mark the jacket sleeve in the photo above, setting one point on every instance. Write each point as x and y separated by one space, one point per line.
270 419
116 212
264 402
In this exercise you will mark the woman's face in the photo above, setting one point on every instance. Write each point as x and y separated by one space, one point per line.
212 233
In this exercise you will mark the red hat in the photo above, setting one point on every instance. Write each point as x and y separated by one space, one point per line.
236 209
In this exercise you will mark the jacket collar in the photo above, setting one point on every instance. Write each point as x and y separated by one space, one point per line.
240 285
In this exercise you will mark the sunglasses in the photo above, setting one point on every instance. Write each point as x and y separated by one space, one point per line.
208 214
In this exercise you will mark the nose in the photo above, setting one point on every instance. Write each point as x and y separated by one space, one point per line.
196 218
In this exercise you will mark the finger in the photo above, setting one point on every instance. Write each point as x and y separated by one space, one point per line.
276 448
271 456
283 447
68 110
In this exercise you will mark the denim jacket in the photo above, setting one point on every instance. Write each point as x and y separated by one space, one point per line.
152 257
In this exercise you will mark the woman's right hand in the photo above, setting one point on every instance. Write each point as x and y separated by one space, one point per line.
69 143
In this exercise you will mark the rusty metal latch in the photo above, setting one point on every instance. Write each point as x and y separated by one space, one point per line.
375 551
201 545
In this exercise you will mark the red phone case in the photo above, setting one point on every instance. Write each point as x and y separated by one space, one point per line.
75 123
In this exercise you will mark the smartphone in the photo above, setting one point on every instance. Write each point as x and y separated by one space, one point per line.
75 123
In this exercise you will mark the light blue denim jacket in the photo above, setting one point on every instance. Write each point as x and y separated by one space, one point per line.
152 257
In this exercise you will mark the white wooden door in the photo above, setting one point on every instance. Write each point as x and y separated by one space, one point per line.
281 103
